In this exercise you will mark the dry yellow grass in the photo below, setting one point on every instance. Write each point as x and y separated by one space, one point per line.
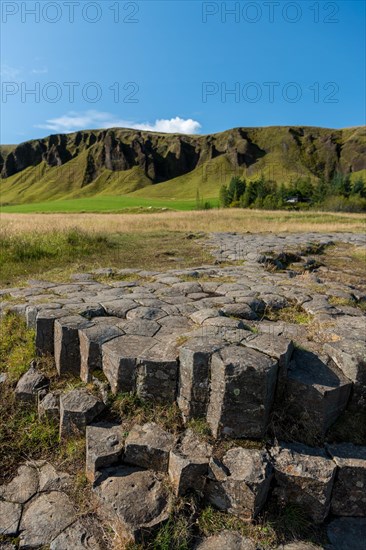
255 221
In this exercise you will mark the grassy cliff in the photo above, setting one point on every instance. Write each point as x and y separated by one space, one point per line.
150 165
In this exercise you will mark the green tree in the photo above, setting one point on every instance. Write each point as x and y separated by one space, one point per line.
224 197
359 188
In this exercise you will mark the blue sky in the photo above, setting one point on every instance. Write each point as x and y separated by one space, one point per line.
190 66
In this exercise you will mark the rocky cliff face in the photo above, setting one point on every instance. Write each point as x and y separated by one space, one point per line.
166 156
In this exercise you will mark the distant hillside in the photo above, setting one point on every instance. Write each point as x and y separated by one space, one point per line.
148 164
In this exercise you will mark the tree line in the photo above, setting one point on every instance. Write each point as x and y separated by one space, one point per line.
338 194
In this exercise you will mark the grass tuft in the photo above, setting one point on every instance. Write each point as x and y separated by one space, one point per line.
17 347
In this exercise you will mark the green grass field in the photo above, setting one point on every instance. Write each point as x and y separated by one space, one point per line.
105 204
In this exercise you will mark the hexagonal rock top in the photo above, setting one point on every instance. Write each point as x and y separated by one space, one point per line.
148 446
10 514
304 476
44 518
239 484
243 383
133 500
22 487
75 537
227 540
349 492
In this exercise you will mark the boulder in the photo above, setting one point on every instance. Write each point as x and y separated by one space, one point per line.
78 408
133 501
243 383
45 518
30 384
188 464
104 447
304 476
239 484
148 446
67 344
349 491
194 376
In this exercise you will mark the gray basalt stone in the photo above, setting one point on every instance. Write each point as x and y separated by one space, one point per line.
91 341
157 372
316 394
75 537
274 301
67 344
299 545
194 375
347 534
226 540
147 313
133 501
201 315
104 447
224 322
30 385
148 446
78 408
119 360
49 406
242 311
45 323
304 476
22 487
52 480
349 492
279 347
349 354
239 484
118 308
188 464
141 327
45 517
10 514
243 385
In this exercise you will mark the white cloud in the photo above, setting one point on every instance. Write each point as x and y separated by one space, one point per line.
9 73
73 121
42 70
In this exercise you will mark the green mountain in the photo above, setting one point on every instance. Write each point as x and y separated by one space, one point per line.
120 161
